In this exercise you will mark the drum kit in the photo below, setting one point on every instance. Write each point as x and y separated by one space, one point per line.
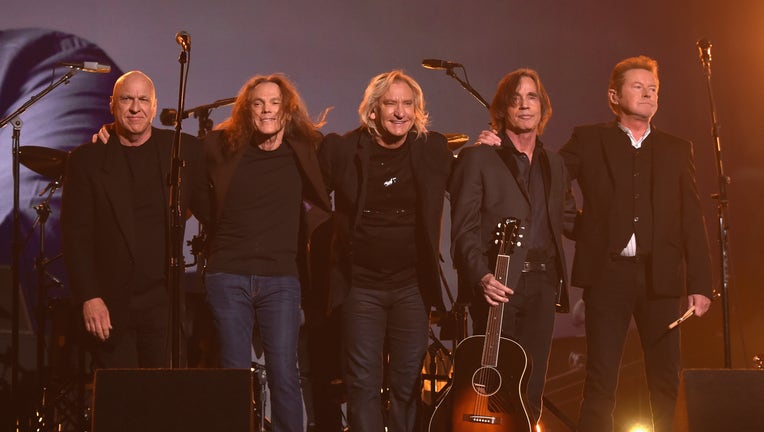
59 402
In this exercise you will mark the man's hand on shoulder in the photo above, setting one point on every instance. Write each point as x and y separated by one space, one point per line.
102 135
488 137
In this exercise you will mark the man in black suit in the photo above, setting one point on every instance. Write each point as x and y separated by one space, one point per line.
114 221
640 241
520 179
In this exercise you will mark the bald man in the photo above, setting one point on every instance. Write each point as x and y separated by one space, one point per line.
114 222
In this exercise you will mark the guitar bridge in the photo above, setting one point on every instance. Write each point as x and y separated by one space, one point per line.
481 419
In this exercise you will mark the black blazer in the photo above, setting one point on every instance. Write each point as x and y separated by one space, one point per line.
217 170
344 162
484 191
680 254
97 217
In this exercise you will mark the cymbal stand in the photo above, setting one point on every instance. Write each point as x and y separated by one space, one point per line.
41 262
43 277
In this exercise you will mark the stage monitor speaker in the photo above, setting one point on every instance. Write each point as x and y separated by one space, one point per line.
166 400
713 400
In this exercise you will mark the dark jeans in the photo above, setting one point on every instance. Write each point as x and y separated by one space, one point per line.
622 293
371 318
143 343
238 303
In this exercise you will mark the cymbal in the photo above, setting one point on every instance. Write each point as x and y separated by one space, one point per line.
45 161
456 140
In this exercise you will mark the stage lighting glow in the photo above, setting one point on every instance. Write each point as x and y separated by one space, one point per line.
640 428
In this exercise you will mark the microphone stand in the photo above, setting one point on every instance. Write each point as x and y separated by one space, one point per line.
202 114
175 228
722 211
466 85
14 119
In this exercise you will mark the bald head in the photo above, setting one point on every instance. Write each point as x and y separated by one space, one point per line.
133 105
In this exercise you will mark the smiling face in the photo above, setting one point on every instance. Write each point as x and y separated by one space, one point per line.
266 109
638 96
395 114
524 111
133 105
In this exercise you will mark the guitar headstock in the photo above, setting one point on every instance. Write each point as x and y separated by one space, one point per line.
505 235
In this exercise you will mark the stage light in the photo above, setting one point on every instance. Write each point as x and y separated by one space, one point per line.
638 427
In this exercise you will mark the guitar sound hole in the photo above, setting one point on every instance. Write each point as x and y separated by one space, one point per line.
486 381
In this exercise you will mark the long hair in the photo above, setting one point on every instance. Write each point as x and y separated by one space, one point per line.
239 127
617 76
505 97
378 86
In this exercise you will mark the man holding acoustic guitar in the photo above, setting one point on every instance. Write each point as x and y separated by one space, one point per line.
522 182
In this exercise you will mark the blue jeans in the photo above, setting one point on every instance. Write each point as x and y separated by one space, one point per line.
238 303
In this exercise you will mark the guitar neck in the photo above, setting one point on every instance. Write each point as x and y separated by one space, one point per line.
495 317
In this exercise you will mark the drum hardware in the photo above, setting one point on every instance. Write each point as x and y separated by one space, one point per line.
262 423
60 401
456 140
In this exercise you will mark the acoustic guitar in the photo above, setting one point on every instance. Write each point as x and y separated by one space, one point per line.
490 373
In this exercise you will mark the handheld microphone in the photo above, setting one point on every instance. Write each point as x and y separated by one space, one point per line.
184 40
439 64
87 67
704 47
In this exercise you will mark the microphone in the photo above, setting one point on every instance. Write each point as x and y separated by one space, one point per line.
87 67
439 64
184 40
704 47
168 115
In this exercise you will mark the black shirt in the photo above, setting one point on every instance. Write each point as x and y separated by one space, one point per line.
259 226
149 211
384 250
530 179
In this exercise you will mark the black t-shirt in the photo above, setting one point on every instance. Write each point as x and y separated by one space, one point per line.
150 215
258 231
384 242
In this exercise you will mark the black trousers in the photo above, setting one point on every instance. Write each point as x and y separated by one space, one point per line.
371 318
528 320
621 293
144 341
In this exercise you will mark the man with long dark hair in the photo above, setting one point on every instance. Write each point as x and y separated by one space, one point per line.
265 197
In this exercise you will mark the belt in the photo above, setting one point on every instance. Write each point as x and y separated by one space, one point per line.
389 212
534 267
619 257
